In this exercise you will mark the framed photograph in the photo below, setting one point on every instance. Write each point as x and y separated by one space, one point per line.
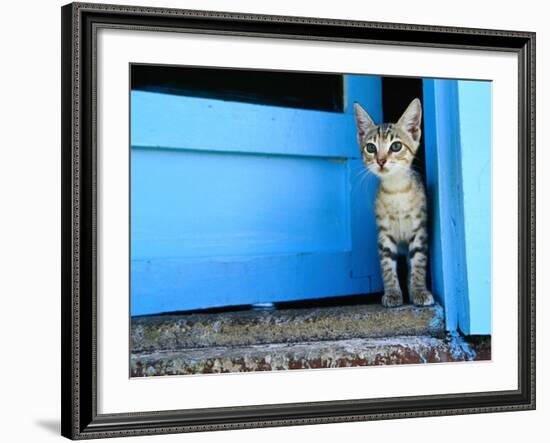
273 221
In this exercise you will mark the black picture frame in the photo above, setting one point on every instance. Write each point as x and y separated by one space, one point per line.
79 183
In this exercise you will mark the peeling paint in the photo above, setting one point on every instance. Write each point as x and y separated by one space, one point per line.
458 346
311 355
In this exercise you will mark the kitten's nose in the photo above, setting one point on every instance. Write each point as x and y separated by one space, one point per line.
381 161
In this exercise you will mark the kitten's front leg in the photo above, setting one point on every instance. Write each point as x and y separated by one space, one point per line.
418 260
387 249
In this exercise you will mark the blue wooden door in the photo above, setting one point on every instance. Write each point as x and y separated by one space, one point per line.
236 203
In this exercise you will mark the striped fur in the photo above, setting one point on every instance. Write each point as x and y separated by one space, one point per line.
388 151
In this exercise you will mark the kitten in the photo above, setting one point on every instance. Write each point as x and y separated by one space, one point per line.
388 151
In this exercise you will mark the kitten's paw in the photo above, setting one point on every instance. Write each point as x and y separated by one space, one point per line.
422 297
392 298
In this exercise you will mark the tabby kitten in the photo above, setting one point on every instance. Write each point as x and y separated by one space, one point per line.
388 151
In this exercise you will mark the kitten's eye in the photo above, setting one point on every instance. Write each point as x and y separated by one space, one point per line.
396 147
371 148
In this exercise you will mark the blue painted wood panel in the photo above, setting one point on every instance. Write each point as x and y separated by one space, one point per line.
172 284
207 204
234 203
176 122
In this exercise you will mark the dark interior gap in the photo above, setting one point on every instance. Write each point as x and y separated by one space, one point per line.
323 92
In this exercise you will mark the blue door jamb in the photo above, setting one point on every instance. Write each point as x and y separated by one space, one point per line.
458 132
475 114
445 194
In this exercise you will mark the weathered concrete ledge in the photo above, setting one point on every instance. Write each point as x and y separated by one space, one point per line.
242 328
310 355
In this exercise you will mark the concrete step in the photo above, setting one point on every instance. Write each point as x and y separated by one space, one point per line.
242 328
305 355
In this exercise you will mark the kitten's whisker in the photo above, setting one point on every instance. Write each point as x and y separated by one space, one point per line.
361 177
361 173
364 178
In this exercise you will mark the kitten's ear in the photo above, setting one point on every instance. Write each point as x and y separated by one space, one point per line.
363 121
411 119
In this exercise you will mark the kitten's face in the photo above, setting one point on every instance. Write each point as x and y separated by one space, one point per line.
389 148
